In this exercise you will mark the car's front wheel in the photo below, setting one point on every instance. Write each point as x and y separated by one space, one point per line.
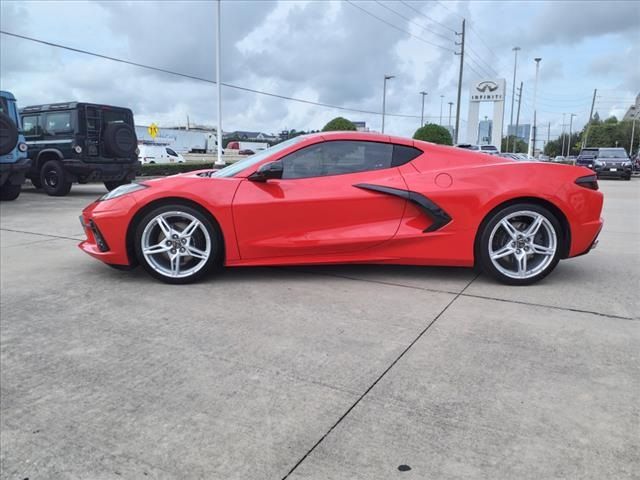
178 244
520 244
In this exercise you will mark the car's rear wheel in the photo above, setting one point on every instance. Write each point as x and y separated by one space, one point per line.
9 192
53 179
178 244
520 244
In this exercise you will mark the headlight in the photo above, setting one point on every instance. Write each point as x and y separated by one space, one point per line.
22 147
626 164
598 163
122 190
77 149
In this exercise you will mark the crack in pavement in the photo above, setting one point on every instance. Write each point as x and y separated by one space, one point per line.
41 234
382 375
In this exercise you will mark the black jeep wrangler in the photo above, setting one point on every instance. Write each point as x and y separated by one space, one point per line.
79 142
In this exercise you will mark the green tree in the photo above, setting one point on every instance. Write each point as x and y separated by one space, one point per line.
611 120
433 133
507 144
339 124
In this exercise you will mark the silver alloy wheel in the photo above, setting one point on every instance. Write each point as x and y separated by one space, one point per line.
522 244
176 244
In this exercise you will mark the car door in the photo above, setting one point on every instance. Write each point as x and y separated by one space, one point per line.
32 129
321 205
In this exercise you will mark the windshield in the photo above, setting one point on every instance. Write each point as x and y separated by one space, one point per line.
612 153
237 167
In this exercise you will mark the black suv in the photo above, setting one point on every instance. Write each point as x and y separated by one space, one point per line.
606 162
79 142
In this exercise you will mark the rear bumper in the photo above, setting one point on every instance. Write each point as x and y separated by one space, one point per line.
102 171
594 241
14 173
585 237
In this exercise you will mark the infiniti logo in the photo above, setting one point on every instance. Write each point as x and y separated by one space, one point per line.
487 85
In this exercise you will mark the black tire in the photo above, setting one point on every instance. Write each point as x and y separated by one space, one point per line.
8 134
9 192
482 248
113 184
213 262
120 140
53 180
628 177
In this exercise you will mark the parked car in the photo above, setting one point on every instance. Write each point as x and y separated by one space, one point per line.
79 142
571 159
613 162
351 197
490 149
246 152
544 158
587 157
149 154
559 159
14 163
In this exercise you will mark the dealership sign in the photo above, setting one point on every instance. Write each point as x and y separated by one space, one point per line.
487 91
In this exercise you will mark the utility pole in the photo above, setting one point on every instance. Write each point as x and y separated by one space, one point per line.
219 160
513 87
461 45
384 97
532 135
441 100
563 124
450 107
515 136
424 94
586 133
569 140
548 133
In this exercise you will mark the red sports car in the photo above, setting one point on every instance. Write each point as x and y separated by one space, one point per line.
348 197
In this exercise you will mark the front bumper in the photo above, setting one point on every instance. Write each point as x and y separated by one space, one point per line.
613 172
106 230
14 172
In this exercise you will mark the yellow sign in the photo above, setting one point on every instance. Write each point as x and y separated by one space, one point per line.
153 130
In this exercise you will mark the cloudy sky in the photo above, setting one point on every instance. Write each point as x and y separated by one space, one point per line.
333 52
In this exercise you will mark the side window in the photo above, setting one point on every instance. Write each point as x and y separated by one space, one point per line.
337 158
31 126
58 123
171 152
403 154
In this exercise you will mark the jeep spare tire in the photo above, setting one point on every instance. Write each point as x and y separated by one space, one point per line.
120 139
8 134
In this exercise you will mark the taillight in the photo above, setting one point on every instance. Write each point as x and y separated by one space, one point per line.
588 181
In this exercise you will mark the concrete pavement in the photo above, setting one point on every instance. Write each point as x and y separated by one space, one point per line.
325 372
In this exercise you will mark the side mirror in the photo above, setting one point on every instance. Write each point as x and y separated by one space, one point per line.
267 171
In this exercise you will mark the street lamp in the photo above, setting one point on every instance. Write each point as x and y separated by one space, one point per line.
441 99
513 87
563 137
219 160
450 107
424 94
532 133
569 139
384 97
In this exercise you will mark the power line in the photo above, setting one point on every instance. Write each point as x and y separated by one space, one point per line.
427 17
488 69
201 79
412 22
398 28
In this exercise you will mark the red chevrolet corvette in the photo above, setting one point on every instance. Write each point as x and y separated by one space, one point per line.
348 197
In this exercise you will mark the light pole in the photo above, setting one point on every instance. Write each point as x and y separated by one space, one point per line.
441 100
513 87
219 160
532 133
384 97
450 107
633 131
424 94
563 138
569 139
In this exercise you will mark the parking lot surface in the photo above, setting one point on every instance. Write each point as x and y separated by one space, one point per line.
345 372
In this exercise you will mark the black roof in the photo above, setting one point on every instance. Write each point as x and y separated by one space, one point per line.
65 106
